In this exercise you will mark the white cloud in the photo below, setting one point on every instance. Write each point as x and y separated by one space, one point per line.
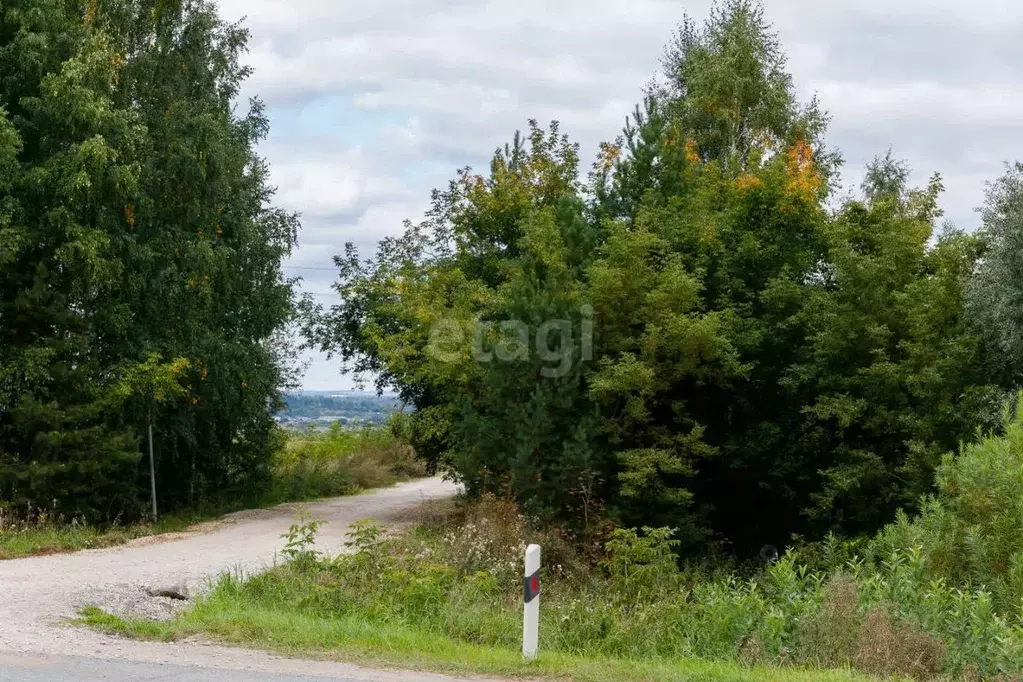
915 102
333 183
317 188
441 83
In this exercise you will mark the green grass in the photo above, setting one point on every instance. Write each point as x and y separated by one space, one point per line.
310 466
444 596
339 462
48 538
361 640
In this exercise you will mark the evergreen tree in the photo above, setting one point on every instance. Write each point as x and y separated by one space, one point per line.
760 365
60 440
137 225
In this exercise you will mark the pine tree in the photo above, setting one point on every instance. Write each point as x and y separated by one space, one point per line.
762 365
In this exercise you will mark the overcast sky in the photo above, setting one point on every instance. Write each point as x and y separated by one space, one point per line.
373 104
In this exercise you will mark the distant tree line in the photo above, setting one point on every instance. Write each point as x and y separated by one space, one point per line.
735 351
140 258
368 408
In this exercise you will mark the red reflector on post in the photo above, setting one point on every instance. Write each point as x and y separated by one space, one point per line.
532 587
531 607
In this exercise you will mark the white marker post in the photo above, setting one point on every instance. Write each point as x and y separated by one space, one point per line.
531 605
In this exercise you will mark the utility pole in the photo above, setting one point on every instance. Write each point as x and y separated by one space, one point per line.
152 468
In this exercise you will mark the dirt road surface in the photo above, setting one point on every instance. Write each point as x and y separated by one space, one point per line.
39 594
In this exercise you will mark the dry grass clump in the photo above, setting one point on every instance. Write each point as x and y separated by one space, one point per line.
842 634
889 648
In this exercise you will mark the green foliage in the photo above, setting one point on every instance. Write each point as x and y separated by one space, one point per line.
154 380
967 533
68 170
364 536
742 361
893 376
494 250
299 542
727 87
994 296
135 225
339 462
887 619
639 564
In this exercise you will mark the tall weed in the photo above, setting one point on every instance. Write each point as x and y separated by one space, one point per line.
340 462
938 595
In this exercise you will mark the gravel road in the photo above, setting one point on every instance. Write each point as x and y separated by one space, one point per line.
39 594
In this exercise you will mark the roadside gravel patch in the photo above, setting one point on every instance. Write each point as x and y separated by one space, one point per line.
40 594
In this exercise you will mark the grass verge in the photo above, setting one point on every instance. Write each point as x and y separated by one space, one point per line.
51 538
361 640
339 462
309 466
444 596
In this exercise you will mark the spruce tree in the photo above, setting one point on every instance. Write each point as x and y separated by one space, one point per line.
72 173
137 223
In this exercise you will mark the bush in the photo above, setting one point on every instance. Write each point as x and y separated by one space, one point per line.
341 461
889 648
969 533
932 596
460 577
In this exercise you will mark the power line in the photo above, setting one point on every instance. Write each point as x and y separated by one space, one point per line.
308 267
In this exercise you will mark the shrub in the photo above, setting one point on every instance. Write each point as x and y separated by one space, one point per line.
831 637
889 648
642 566
490 537
300 541
460 578
970 532
341 461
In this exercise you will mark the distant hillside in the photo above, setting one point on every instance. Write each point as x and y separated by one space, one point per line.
323 408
